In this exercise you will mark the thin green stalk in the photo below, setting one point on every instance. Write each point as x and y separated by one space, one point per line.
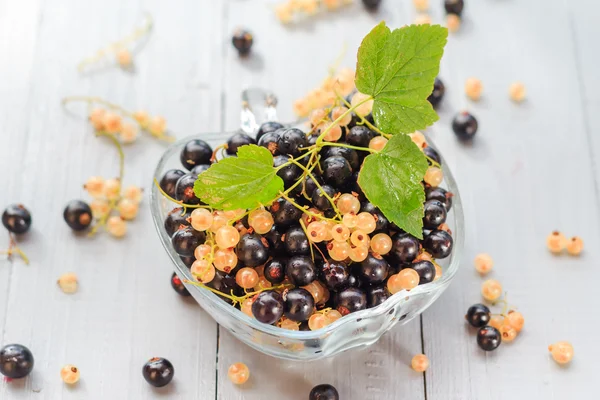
318 186
119 149
338 119
335 144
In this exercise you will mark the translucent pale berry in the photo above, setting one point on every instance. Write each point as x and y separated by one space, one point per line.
406 279
329 225
238 373
421 5
562 352
365 108
134 193
338 112
483 263
366 222
347 203
434 176
339 250
263 283
350 220
202 251
227 237
142 118
419 139
515 319
473 88
246 278
234 215
496 321
317 231
332 4
112 122
300 106
359 253
360 238
333 315
203 271
517 92
508 332
317 291
124 58
262 222
68 283
128 209
157 126
225 260
116 226
97 118
420 363
340 233
128 133
112 189
260 270
201 219
381 243
556 242
95 186
438 272
246 306
289 325
317 321
378 143
317 116
69 374
422 19
491 290
453 22
100 208
423 255
334 133
575 246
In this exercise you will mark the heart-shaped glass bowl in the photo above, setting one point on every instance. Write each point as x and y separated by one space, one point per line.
358 329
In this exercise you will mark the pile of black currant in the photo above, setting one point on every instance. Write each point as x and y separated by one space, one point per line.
488 336
321 250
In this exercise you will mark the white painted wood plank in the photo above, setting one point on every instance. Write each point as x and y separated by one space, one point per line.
527 174
126 311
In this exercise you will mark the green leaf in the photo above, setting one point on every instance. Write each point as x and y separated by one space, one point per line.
398 68
244 181
391 180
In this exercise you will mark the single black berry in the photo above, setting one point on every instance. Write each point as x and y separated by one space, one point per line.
439 194
242 41
298 304
371 5
195 152
433 154
438 243
184 190
336 171
16 218
175 220
268 307
275 270
438 92
291 141
454 6
405 247
296 241
238 140
435 214
425 269
78 215
488 338
350 155
285 213
359 136
290 173
350 300
16 361
198 169
335 274
269 126
252 250
464 125
274 238
270 141
324 392
376 295
478 315
301 270
186 240
158 371
169 181
320 199
373 269
225 283
178 285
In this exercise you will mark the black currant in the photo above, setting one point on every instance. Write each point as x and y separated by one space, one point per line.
186 240
373 269
268 307
198 169
478 315
350 300
78 215
433 154
464 125
169 181
310 185
291 141
252 250
438 243
238 140
178 285
371 5
354 187
439 194
405 247
270 141
335 274
438 92
269 126
320 200
17 219
16 361
187 260
300 270
425 269
274 237
296 241
158 371
336 171
435 214
298 304
242 41
290 173
195 152
275 270
488 338
359 136
184 190
285 213
176 220
225 283
376 295
350 155
454 6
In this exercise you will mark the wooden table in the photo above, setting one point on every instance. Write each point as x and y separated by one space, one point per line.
533 168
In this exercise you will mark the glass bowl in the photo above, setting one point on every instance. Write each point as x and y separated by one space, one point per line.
358 329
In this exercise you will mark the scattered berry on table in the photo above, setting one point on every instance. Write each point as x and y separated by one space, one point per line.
496 321
473 88
68 283
116 226
95 186
508 332
421 5
178 285
69 374
453 23
491 290
324 391
422 19
158 371
112 188
238 373
562 352
575 246
478 315
371 5
78 215
464 125
517 92
128 209
16 361
420 363
556 242
483 263
515 319
16 218
488 338
242 41
438 92
454 6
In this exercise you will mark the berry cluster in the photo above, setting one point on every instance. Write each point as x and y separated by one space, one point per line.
557 243
493 330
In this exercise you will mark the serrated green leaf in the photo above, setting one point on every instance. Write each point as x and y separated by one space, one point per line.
244 181
391 180
398 68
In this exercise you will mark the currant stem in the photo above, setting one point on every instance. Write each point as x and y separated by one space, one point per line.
335 144
312 253
98 100
119 149
234 298
181 203
338 119
304 210
318 186
432 161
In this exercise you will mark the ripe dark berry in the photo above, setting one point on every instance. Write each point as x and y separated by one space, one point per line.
320 200
324 392
405 247
175 220
16 218
187 260
438 243
270 141
350 155
464 125
373 270
242 41
158 371
433 154
350 300
16 361
439 194
225 283
290 173
285 213
298 304
274 237
269 126
336 171
376 295
291 141
238 140
186 240
359 136
296 241
438 93
169 181
275 270
78 215
335 274
478 315
252 250
198 169
268 307
454 6
371 5
301 270
178 285
435 214
195 152
184 190
310 185
425 269
488 338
